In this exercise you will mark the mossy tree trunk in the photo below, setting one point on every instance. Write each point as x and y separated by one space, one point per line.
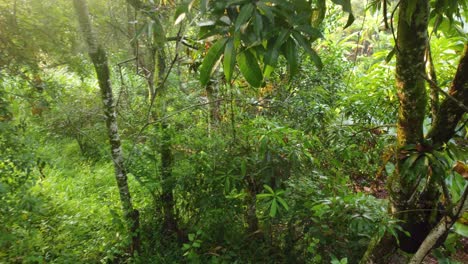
450 111
412 43
170 224
99 59
417 209
155 77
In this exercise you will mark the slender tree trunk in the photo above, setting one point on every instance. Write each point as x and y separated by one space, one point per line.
431 74
170 224
99 59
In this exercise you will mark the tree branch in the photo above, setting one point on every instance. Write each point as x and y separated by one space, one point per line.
441 229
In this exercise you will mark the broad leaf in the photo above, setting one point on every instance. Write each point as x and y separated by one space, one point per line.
229 59
244 15
273 208
306 46
390 55
268 188
249 68
283 203
346 5
290 53
211 58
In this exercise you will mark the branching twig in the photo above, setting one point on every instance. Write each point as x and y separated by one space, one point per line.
440 230
460 104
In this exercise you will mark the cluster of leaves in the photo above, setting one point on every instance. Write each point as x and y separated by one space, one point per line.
253 35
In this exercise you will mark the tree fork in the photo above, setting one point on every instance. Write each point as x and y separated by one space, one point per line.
450 113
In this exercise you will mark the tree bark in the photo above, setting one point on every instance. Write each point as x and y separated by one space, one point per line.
99 59
419 217
442 228
450 113
411 45
410 67
431 74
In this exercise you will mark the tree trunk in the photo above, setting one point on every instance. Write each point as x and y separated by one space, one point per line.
450 112
411 90
431 74
419 217
441 230
170 224
407 204
99 59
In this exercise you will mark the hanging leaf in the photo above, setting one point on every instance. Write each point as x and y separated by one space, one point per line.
311 32
266 10
249 68
306 46
346 5
272 54
390 55
229 59
244 15
290 53
211 57
318 13
181 13
258 25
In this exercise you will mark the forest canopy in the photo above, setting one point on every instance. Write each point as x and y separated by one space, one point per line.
233 131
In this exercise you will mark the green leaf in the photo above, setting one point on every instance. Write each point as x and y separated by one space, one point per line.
186 246
211 57
272 54
244 15
268 188
273 208
290 53
243 168
311 32
461 229
266 10
346 5
229 59
318 14
264 195
159 35
390 55
203 6
191 236
306 46
249 68
181 13
258 25
409 162
282 202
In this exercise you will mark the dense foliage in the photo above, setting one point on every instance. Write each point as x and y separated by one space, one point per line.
251 131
